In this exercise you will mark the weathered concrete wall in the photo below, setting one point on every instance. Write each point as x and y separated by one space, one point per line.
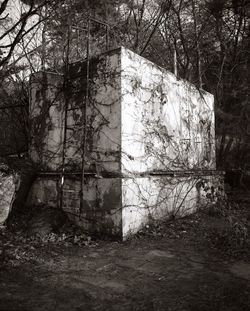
150 198
102 209
103 130
162 123
167 124
143 124
46 120
122 206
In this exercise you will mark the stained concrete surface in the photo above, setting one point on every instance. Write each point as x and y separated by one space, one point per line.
150 143
143 274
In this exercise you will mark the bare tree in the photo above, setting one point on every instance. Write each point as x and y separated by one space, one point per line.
14 30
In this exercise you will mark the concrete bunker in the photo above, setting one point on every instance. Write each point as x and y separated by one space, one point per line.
149 147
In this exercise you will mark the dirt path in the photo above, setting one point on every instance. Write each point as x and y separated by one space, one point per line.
158 274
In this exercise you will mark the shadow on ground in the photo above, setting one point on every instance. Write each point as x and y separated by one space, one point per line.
162 272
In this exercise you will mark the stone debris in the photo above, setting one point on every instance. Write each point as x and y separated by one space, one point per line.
9 184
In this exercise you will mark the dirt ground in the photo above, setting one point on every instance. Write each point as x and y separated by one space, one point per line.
172 268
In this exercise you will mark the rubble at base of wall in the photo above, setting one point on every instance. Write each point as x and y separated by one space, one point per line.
9 184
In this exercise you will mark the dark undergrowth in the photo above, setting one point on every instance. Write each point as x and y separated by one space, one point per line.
224 227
